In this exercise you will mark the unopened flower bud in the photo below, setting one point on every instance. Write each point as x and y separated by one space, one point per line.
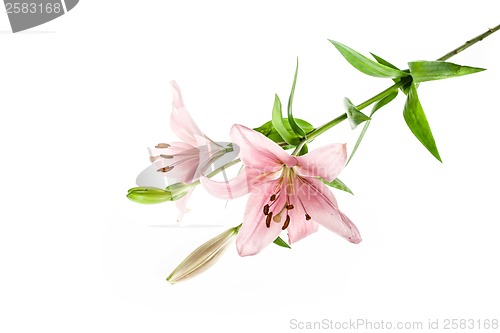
149 195
154 195
203 257
178 190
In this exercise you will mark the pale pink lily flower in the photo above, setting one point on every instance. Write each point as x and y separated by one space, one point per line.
285 192
184 161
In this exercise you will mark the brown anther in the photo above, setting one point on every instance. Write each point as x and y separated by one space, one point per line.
166 156
162 145
266 209
165 169
308 217
273 197
154 158
287 222
268 219
289 207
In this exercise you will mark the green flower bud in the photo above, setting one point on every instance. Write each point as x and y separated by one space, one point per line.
179 190
149 195
154 195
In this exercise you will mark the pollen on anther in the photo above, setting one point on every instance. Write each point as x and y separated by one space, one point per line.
266 209
162 145
287 222
165 169
273 197
289 207
268 219
166 156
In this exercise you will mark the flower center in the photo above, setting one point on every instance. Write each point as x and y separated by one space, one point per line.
270 213
285 186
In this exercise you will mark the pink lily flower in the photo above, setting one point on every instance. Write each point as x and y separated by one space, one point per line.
285 192
184 162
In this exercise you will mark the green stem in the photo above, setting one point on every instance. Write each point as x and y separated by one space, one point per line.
381 95
227 165
320 130
469 43
210 175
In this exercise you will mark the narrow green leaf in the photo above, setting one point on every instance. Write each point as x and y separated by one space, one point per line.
384 101
417 122
422 71
265 128
355 116
407 85
295 127
338 184
281 242
268 130
306 126
279 124
358 142
383 62
365 65
303 151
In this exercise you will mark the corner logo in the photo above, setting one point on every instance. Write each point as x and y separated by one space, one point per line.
26 14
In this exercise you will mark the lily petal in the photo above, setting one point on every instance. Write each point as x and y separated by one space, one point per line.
234 188
181 204
299 227
326 162
321 205
254 235
181 122
259 152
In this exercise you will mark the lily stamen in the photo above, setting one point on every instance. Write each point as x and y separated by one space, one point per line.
287 222
266 209
268 219
308 217
165 169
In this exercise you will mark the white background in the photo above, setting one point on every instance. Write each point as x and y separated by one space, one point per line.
83 96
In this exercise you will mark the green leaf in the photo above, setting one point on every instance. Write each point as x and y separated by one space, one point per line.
355 116
338 184
417 122
365 65
407 85
383 62
358 142
384 101
268 129
304 150
265 128
281 242
295 127
422 71
278 124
